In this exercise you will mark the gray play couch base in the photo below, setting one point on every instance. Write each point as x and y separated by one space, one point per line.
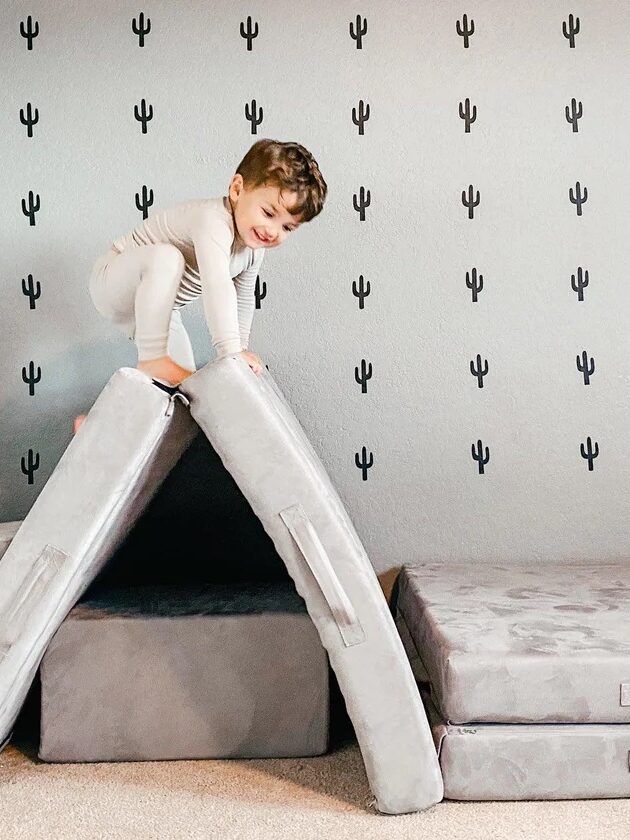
544 649
499 761
184 672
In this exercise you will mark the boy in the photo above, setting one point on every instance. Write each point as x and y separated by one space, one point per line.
212 248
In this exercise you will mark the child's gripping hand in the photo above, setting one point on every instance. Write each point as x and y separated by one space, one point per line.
252 360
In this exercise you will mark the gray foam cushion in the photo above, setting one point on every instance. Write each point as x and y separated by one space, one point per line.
205 671
260 441
495 761
547 642
130 440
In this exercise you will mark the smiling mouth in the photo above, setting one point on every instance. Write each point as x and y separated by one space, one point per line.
260 237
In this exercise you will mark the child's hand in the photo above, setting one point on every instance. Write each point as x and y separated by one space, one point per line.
252 360
165 368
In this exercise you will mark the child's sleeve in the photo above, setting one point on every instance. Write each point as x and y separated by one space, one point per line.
212 241
246 296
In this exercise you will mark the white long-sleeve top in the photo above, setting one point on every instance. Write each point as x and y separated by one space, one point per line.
203 230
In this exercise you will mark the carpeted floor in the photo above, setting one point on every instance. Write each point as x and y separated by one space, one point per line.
321 797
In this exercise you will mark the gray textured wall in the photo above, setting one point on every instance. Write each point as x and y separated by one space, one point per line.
420 328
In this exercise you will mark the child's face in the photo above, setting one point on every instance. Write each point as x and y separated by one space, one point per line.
262 211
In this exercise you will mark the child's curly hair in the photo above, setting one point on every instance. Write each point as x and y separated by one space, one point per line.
287 166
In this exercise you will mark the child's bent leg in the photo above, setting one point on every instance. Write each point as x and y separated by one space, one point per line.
179 362
179 346
136 291
155 296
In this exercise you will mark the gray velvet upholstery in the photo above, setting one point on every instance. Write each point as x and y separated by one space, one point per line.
546 642
260 441
499 761
166 672
131 438
543 648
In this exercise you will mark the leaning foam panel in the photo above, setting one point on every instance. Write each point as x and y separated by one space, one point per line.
133 435
262 444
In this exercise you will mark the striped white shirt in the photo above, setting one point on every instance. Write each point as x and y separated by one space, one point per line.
225 278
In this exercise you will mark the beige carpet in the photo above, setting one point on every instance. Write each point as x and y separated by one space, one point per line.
326 797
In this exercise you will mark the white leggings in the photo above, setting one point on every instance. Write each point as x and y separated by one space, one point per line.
135 290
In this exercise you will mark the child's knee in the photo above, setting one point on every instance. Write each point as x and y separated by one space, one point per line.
165 259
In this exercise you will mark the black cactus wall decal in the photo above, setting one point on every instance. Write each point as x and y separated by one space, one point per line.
143 114
574 114
468 115
571 30
361 202
464 31
31 208
581 283
249 34
31 378
30 464
589 453
360 117
260 291
474 283
29 119
365 463
479 371
361 291
479 457
30 31
254 116
359 32
364 376
468 201
144 201
578 198
584 367
31 290
141 28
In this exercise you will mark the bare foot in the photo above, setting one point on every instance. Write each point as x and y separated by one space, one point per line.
78 421
165 368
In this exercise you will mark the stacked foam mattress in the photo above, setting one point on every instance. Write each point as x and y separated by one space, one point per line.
525 675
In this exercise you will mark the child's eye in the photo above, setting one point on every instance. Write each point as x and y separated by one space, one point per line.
269 215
